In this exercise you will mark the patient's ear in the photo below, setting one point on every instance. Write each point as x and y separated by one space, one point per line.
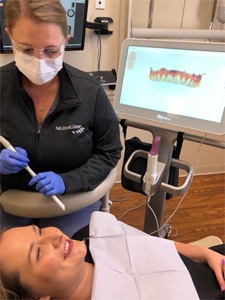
44 298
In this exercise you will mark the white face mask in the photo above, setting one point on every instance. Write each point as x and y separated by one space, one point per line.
39 71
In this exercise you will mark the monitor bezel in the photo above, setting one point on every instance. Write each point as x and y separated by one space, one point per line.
151 115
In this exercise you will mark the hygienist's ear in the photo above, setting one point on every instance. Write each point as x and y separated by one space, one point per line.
8 32
68 38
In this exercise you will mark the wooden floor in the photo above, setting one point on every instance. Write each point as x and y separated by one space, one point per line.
202 212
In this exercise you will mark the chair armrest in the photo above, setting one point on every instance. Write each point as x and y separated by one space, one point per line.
35 205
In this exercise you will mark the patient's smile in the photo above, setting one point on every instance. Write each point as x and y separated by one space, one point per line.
67 245
68 248
60 255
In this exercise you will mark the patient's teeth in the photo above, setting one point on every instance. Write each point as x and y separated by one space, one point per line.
169 78
67 245
176 76
176 79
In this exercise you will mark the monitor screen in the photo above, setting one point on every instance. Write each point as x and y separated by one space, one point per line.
76 12
173 82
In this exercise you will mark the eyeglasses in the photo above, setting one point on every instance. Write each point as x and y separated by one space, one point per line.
50 52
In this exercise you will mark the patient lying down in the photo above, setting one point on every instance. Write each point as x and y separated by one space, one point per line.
119 262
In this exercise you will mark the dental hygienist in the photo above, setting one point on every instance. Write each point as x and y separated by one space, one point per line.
57 117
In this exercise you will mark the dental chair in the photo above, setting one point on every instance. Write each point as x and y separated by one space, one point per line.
35 205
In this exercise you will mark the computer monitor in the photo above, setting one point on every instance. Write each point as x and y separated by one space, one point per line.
76 12
180 83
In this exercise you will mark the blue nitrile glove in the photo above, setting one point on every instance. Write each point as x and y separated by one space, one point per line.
12 162
48 183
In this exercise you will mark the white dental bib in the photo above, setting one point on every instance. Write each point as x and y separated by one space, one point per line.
130 264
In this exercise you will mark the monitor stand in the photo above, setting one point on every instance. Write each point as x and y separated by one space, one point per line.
157 195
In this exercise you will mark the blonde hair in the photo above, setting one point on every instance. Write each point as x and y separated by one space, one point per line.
46 11
11 287
10 284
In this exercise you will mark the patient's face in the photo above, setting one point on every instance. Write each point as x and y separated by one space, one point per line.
47 260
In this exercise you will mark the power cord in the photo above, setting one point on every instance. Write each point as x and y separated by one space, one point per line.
99 46
131 209
122 199
125 199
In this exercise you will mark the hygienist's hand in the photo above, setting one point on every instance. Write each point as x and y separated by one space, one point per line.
12 162
216 262
48 183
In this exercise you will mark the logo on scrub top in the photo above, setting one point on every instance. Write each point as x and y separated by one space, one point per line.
75 128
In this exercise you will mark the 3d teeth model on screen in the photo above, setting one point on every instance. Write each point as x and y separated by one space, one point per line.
174 76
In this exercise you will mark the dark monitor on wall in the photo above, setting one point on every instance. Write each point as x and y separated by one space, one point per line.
179 83
76 12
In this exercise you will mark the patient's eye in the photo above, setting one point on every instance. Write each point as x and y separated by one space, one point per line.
38 253
39 248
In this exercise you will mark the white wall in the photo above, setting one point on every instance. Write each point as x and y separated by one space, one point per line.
174 14
167 14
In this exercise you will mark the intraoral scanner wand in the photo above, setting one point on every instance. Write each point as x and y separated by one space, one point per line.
7 145
151 172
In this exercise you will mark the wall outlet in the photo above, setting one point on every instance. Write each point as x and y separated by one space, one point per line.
99 4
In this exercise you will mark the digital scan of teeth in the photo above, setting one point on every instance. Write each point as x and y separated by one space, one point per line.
175 76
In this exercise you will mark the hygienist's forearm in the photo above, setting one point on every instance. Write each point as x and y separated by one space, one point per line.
192 251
